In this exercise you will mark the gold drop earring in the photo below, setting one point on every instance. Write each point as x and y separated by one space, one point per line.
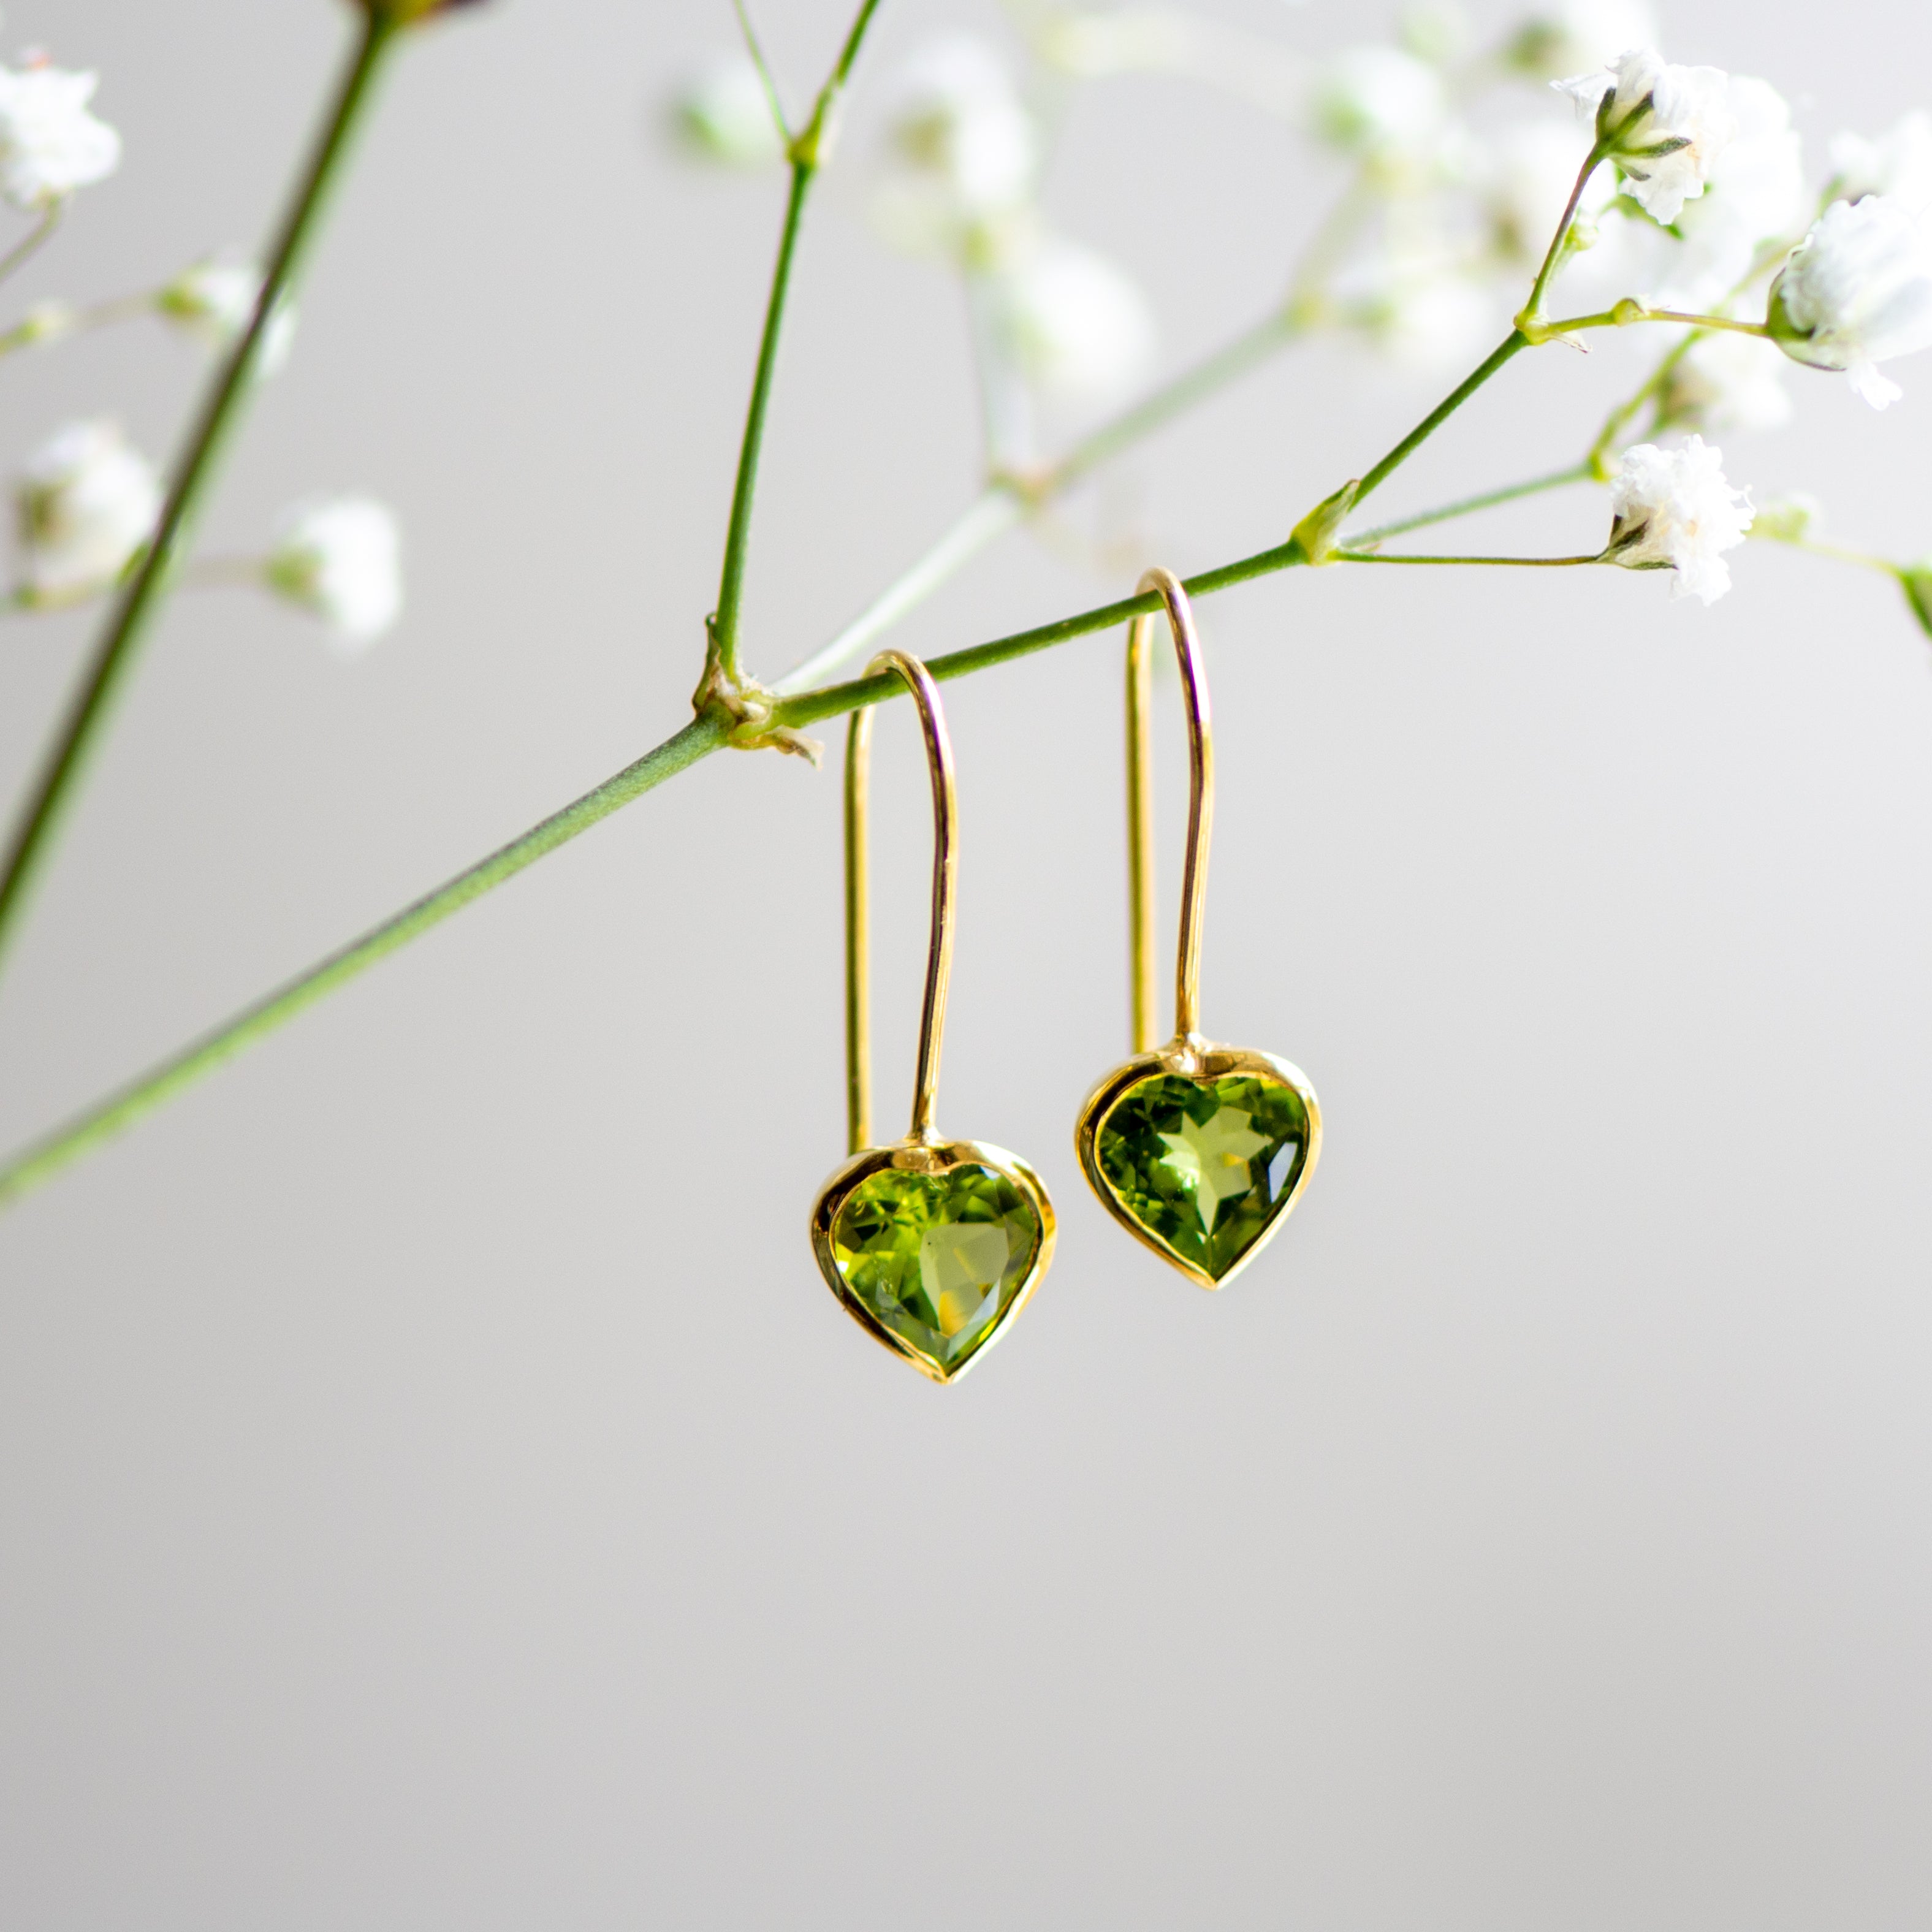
1199 1150
932 1246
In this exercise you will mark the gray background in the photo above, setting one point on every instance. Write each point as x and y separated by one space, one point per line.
435 1488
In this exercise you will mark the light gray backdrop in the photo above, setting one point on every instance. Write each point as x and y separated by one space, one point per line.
436 1489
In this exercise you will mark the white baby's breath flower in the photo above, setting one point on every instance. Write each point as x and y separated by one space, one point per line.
1077 328
1528 172
1380 103
212 302
340 558
1672 509
1857 291
50 144
1573 36
86 502
1667 125
1419 309
721 113
1757 195
1896 164
1728 382
960 152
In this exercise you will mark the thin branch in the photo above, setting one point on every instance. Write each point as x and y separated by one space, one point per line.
1519 563
763 67
147 588
1357 541
30 245
162 1082
722 656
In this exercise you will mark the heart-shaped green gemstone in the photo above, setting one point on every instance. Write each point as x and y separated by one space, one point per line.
1205 1166
937 1259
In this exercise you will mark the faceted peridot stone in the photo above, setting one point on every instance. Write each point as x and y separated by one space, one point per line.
1204 1165
937 1258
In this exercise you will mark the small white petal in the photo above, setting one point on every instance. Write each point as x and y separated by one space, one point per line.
959 155
1673 508
340 557
86 502
50 144
1071 322
1857 291
722 113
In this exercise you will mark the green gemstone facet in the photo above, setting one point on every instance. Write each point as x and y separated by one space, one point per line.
937 1258
1205 1164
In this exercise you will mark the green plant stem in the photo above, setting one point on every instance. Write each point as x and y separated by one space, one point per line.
146 588
723 638
711 728
1359 540
1532 310
1512 346
1629 311
30 245
160 1083
29 333
1518 562
807 153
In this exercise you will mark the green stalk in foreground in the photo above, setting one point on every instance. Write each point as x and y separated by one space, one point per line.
147 589
808 150
713 727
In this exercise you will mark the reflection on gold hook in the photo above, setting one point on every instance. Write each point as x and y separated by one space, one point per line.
1140 814
858 935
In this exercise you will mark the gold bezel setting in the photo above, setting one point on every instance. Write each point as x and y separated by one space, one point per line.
915 1154
1203 1062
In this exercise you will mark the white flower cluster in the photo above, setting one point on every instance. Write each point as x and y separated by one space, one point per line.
50 144
1457 188
86 502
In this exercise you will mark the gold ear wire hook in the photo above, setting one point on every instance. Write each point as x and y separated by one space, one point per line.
1140 813
858 920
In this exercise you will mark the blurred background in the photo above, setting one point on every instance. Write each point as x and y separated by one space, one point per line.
435 1488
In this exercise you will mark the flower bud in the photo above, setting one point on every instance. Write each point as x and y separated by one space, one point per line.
1663 126
722 114
1856 292
86 502
340 558
50 144
1916 580
214 300
1788 519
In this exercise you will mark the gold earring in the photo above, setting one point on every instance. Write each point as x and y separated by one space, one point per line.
932 1246
1199 1150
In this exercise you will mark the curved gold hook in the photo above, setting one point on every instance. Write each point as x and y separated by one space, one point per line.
858 918
1140 812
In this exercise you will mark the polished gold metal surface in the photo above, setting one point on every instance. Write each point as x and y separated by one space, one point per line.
1188 1055
1140 830
923 1151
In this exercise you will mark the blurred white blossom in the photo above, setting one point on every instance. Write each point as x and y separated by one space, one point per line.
720 112
1670 125
1756 194
1075 326
1790 518
84 503
1727 381
1529 171
1857 291
1424 312
1573 36
340 558
1672 509
1896 164
960 152
1379 102
50 144
212 302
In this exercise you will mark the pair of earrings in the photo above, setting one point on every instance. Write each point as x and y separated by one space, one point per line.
934 1246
